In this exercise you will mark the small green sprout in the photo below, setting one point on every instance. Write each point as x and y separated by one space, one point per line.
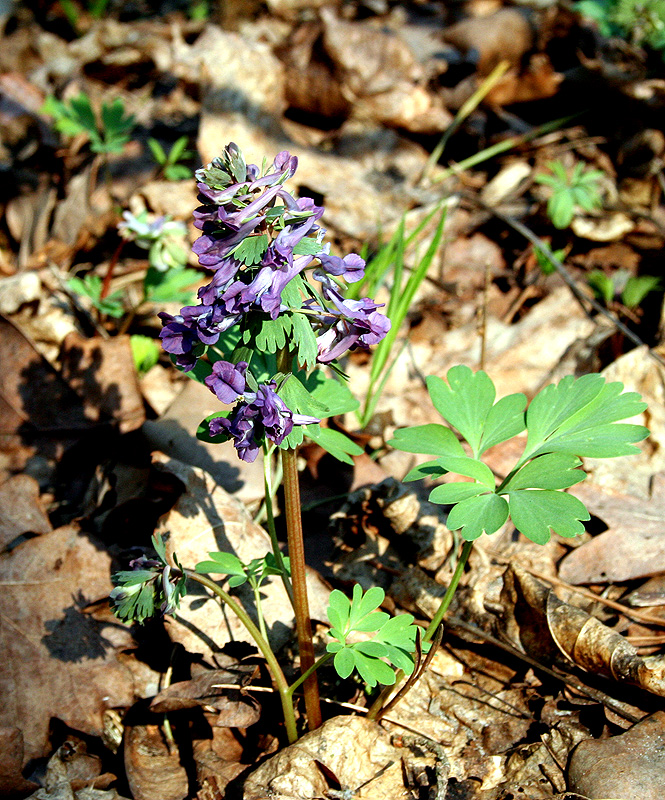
630 289
579 190
172 170
109 134
394 638
145 352
91 287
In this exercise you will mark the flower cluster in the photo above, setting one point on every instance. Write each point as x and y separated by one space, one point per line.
260 412
258 239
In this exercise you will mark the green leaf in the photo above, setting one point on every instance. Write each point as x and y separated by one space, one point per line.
373 670
83 112
177 172
362 605
272 334
602 285
465 401
178 149
637 288
339 608
160 547
333 393
252 249
299 400
334 442
307 247
291 295
485 513
450 493
431 439
223 564
344 662
549 471
535 511
371 648
167 287
469 467
157 150
145 352
304 340
430 469
504 420
578 416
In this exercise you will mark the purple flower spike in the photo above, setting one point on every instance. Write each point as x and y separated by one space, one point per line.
227 381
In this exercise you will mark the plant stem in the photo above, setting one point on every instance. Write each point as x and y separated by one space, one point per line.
299 577
377 705
437 619
270 518
319 663
262 643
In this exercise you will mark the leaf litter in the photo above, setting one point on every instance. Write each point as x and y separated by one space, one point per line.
529 675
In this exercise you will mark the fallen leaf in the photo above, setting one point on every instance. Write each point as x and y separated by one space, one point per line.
548 629
632 547
237 708
21 510
12 782
153 771
102 372
630 766
58 661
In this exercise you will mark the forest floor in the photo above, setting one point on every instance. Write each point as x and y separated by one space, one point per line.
542 140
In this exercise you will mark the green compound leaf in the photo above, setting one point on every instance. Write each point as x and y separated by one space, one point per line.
432 439
271 334
465 401
485 513
550 471
579 416
534 512
300 400
451 493
470 468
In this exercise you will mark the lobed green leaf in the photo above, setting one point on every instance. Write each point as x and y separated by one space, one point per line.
484 513
535 511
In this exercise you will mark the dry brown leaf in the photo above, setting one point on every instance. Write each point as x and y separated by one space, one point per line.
546 628
630 766
237 709
12 782
58 661
102 372
21 510
632 547
153 771
293 774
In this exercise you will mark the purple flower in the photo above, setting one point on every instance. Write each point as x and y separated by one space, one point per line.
179 339
227 380
356 324
241 427
351 267
263 413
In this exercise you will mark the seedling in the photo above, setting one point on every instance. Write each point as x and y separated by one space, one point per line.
108 134
171 169
640 21
630 290
91 287
579 190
